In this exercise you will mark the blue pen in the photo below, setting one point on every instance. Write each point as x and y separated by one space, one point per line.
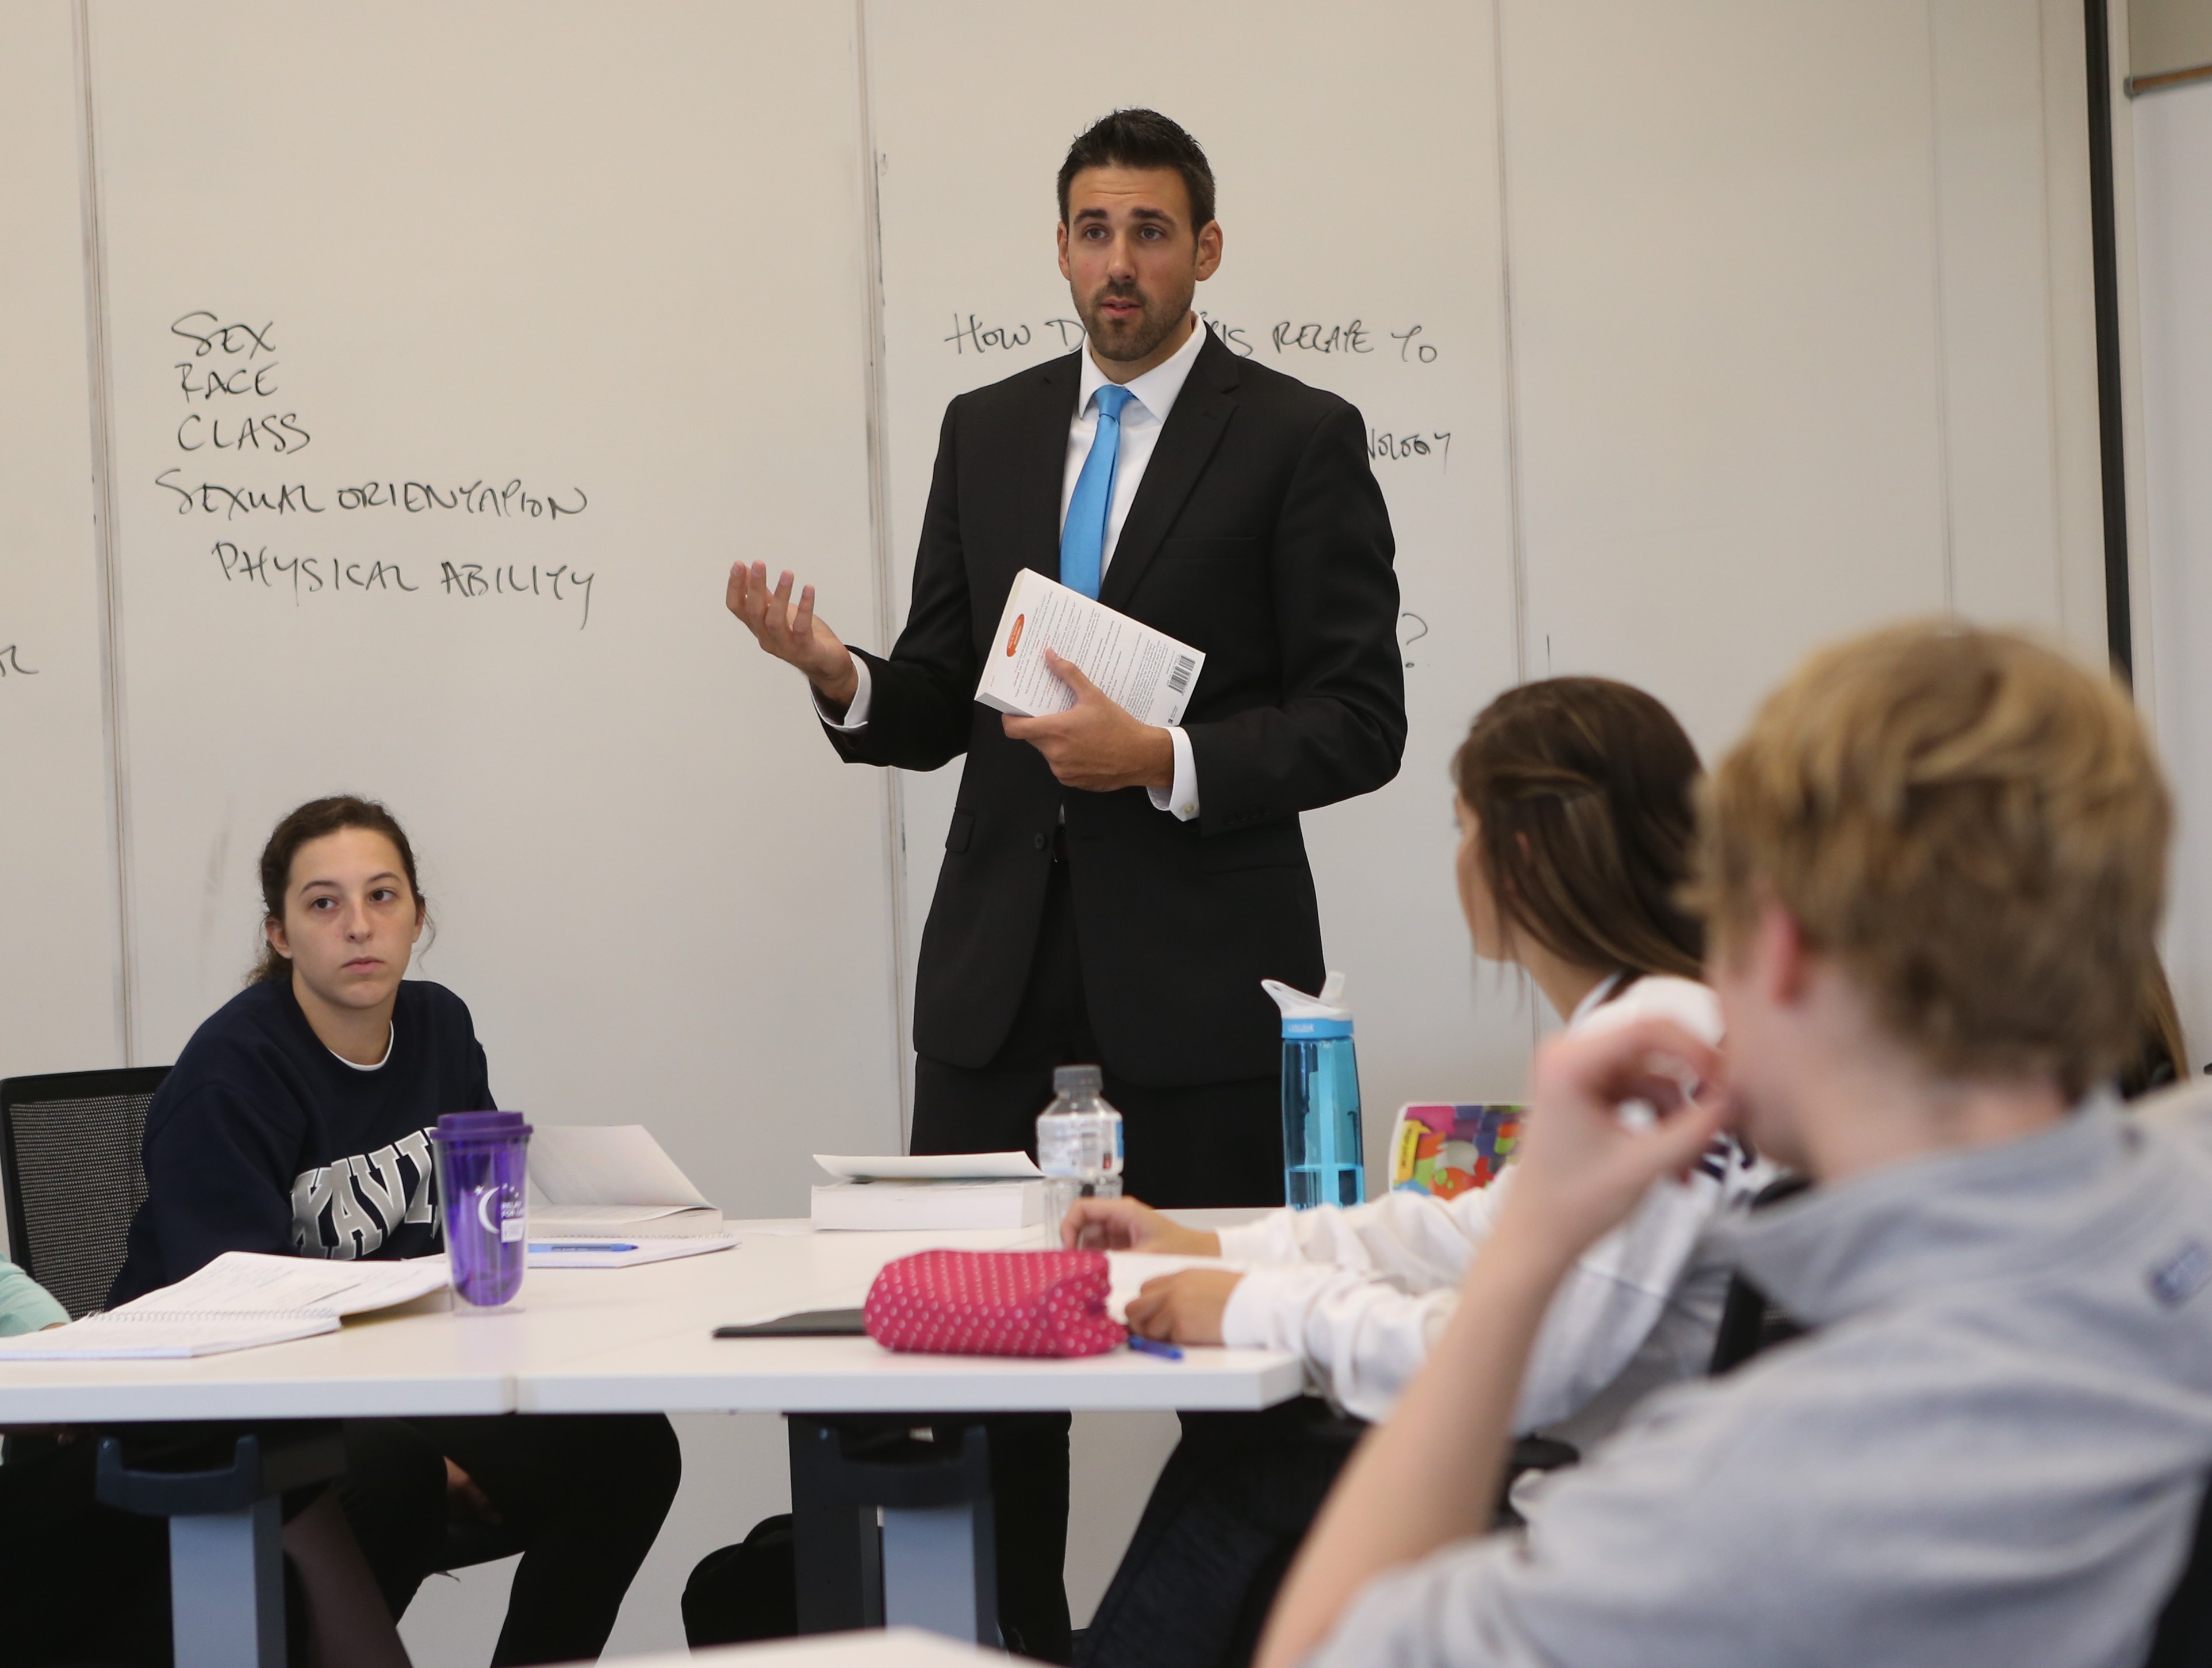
1145 1346
596 1245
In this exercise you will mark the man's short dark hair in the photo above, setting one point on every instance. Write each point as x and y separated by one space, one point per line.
1142 139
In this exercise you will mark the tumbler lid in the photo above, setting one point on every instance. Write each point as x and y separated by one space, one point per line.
479 1125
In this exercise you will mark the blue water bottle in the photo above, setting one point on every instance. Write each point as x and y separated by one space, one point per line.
1322 1153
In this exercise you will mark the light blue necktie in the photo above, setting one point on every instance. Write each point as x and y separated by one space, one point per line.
1083 536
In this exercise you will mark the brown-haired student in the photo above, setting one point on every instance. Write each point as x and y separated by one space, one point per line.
296 1121
1575 799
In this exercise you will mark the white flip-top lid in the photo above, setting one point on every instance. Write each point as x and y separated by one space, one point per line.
1327 1015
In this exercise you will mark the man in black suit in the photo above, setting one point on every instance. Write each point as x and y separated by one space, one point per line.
1111 890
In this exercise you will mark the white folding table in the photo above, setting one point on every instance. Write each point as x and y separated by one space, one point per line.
640 1340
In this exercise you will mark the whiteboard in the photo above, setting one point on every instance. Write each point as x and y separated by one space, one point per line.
1749 328
551 319
1745 328
971 131
59 985
2173 175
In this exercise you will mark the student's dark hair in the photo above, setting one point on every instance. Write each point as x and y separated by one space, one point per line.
1142 139
311 821
1585 791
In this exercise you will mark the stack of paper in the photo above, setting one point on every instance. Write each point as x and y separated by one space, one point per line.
242 1299
931 1191
612 1182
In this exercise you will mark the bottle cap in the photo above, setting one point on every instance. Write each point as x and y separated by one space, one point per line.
1076 1080
1312 1017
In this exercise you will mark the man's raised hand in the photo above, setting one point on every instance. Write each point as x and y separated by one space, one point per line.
1095 745
790 632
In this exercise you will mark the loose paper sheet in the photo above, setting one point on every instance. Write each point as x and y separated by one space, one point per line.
255 1282
577 1164
242 1299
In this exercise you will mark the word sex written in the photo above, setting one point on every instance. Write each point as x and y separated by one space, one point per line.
327 576
1289 338
228 364
11 664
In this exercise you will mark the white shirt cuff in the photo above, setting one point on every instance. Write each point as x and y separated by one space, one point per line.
856 715
1181 800
1271 1239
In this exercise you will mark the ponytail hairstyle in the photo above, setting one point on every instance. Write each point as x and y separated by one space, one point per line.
311 821
1583 789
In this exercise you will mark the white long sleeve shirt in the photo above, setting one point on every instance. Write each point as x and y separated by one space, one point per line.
1361 1294
1153 395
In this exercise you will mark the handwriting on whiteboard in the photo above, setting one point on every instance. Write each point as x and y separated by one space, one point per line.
1383 446
230 383
511 501
11 664
1407 638
1287 338
326 576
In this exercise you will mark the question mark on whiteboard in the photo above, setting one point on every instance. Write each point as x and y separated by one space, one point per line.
1405 642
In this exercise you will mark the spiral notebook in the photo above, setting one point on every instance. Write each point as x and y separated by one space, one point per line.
242 1299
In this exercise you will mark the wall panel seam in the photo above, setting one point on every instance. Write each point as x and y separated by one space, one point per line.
879 428
1942 321
2047 185
101 403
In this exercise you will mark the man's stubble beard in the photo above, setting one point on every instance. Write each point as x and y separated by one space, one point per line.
1153 325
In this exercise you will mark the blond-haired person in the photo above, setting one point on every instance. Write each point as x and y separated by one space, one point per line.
1932 872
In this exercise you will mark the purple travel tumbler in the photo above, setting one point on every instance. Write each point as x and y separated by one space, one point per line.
480 1183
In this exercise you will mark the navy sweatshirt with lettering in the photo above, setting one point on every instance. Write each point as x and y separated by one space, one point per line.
262 1139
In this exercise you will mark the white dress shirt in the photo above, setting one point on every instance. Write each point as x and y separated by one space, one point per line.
1361 1294
1153 395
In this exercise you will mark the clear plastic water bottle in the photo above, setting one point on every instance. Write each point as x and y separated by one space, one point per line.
1322 1163
1079 1143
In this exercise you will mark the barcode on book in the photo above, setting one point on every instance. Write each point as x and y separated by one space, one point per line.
1179 679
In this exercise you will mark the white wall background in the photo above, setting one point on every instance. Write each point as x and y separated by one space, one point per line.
59 974
1751 325
2173 134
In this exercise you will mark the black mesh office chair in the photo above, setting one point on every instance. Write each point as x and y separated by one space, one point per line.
2183 1639
69 1159
1749 1323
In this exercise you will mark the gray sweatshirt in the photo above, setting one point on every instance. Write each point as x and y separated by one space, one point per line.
1993 1452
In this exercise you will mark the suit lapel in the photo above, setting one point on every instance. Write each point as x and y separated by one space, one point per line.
1179 457
1040 465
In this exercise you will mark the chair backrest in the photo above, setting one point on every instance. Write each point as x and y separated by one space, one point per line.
2183 1639
70 1160
1749 1323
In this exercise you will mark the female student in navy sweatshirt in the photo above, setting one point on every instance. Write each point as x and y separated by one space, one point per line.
295 1120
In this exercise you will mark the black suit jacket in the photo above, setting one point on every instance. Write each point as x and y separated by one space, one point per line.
1258 534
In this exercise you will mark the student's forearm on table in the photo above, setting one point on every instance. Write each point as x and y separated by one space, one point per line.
1429 1476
